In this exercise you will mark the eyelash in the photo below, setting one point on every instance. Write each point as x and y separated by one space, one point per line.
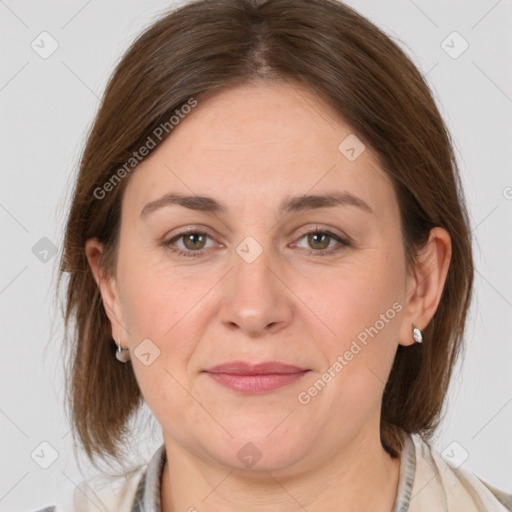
310 252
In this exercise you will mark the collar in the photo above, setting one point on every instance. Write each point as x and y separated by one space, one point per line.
147 495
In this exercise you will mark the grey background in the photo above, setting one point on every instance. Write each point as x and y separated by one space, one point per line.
47 106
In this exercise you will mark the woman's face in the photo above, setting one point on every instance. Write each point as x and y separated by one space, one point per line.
252 283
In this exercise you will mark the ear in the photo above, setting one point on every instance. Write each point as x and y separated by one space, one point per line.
107 286
425 284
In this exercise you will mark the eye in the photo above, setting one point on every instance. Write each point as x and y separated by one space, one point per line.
323 242
194 242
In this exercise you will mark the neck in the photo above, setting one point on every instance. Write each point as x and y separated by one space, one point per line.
362 476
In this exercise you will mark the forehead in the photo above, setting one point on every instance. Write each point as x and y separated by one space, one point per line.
255 142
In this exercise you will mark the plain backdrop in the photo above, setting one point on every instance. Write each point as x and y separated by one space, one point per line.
47 105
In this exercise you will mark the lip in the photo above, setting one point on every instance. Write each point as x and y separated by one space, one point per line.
246 377
248 368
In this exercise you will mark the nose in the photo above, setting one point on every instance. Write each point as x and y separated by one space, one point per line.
256 299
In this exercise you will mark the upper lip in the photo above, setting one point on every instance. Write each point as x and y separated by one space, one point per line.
248 368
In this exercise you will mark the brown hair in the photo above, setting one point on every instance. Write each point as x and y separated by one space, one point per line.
203 47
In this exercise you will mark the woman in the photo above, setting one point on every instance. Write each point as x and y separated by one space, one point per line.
268 245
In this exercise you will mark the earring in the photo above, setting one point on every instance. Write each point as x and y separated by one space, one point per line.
416 334
122 354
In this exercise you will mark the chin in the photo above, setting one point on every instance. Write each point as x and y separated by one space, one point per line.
256 449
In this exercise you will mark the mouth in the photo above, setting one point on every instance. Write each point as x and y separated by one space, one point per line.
246 377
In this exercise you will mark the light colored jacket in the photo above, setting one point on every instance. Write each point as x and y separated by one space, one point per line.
427 483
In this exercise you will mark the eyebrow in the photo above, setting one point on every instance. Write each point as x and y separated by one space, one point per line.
293 204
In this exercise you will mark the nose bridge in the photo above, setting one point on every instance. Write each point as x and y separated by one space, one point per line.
253 263
255 299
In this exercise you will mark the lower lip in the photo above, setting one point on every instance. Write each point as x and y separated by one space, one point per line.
256 383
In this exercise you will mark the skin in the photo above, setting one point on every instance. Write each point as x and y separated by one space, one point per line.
251 147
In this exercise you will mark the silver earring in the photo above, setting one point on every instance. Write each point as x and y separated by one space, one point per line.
122 354
416 334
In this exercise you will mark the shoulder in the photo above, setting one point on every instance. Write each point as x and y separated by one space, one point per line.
441 482
104 493
138 489
108 494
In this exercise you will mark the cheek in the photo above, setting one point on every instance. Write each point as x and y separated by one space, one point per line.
159 303
153 295
362 313
158 307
